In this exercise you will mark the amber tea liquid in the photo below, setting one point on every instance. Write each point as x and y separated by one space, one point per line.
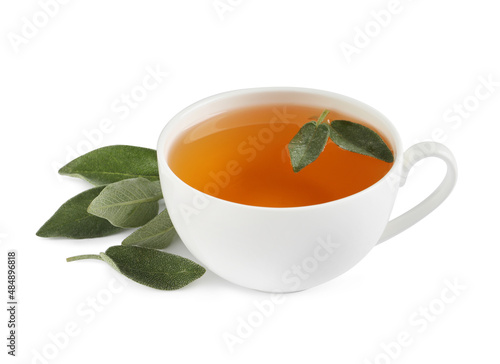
242 156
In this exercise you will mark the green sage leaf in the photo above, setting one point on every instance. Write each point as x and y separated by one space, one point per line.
308 144
156 234
114 163
72 220
360 139
149 267
129 203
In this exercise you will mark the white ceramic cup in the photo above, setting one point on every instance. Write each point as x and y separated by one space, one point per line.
293 248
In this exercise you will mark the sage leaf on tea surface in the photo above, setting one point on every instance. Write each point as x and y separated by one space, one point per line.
128 203
156 234
359 139
114 163
149 267
308 144
72 220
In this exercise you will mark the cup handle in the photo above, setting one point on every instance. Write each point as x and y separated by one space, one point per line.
413 155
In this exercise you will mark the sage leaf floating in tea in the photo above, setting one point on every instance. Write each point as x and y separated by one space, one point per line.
359 139
72 220
307 144
128 203
114 163
149 267
156 234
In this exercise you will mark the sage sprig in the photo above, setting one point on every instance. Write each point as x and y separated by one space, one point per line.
149 267
311 139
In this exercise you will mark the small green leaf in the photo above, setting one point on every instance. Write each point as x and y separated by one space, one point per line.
308 144
149 267
129 203
72 220
156 234
358 138
114 163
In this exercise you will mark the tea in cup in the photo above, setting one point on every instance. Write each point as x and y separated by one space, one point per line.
248 216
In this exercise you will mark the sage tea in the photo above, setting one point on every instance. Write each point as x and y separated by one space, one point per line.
242 156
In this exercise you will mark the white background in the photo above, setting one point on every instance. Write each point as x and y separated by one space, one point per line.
61 78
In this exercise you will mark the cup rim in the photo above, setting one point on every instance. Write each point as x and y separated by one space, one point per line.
177 118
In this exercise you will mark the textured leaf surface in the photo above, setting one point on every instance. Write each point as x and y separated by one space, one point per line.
156 234
114 163
154 268
358 138
129 203
72 220
308 144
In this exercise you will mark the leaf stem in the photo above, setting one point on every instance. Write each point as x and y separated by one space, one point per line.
81 257
323 116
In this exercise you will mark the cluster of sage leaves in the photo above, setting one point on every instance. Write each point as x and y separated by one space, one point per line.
125 195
